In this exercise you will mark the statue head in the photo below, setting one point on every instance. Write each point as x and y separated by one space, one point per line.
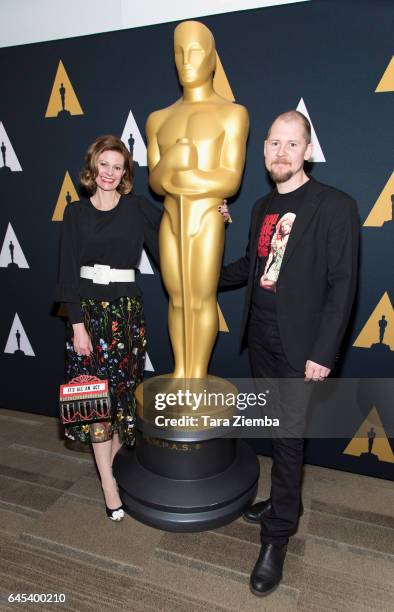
195 53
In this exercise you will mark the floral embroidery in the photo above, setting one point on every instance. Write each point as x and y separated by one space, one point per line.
117 331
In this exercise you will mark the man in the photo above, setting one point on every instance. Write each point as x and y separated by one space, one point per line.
300 269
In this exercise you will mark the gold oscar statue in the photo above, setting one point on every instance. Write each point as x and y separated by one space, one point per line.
196 156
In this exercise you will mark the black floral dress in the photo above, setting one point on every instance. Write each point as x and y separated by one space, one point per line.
112 313
117 332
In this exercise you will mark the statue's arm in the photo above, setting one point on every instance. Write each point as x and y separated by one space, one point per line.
163 166
224 180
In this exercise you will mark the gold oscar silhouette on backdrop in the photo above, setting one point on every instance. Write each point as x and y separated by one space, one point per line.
196 155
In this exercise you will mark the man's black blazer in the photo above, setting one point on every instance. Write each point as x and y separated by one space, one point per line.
317 280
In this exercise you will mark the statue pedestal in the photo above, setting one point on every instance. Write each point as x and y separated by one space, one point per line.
185 479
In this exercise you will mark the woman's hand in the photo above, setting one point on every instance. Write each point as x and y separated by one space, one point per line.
223 209
81 341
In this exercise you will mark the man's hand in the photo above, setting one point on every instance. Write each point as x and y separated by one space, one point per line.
81 341
314 371
223 209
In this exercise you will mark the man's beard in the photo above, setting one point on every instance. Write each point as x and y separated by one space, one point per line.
280 177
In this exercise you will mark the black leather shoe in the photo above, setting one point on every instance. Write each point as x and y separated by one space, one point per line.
254 514
267 573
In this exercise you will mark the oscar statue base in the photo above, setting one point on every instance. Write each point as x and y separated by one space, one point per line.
184 475
186 487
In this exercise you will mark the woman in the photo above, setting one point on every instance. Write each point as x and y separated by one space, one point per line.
102 241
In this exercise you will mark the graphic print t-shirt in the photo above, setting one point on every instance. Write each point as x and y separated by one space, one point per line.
275 231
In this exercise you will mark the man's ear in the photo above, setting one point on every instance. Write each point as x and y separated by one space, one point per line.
308 152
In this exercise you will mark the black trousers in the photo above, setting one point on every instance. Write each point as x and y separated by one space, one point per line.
268 361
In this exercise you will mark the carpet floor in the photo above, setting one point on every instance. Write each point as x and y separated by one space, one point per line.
55 538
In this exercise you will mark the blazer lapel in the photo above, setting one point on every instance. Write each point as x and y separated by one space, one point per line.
306 211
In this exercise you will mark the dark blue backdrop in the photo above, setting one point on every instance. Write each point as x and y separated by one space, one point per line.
332 54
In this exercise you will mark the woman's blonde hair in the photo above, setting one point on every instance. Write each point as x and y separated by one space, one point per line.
106 143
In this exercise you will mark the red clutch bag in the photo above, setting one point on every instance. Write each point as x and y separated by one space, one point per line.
85 399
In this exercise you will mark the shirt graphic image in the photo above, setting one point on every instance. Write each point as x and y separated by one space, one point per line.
274 236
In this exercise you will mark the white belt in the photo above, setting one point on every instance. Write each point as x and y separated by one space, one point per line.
103 275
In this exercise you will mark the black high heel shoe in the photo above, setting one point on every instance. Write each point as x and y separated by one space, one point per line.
117 514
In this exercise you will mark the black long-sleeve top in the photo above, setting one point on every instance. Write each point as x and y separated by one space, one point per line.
114 238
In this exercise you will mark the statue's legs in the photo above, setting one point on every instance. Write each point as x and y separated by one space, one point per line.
205 259
191 249
170 267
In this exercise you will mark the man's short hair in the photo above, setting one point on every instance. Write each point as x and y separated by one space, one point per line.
295 114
